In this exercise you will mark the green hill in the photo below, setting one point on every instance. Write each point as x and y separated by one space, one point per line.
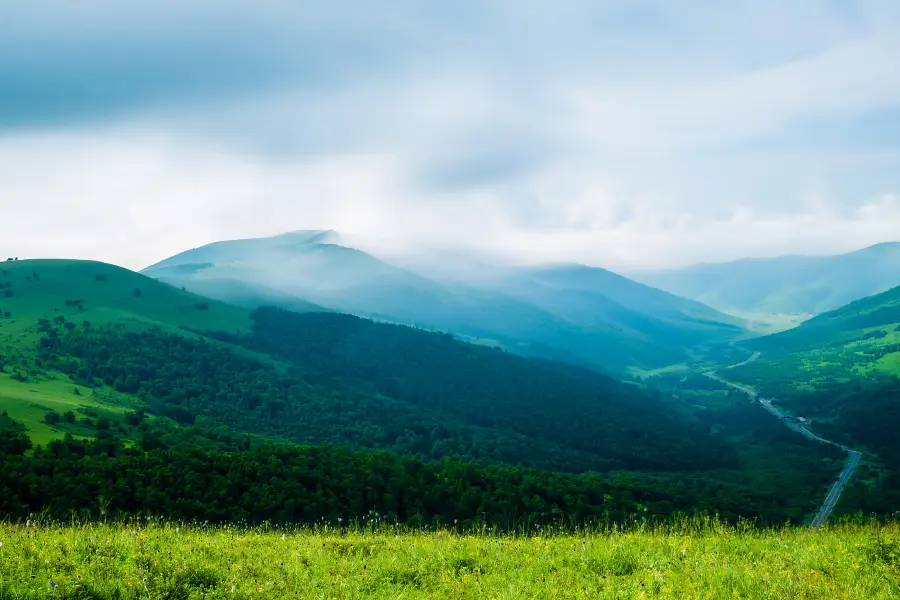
102 294
859 338
218 379
786 284
840 372
575 314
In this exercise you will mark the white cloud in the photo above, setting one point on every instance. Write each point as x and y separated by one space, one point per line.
632 134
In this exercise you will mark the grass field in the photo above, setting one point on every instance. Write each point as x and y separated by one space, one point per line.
29 402
693 561
102 294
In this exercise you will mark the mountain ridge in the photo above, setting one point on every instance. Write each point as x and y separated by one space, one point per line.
614 323
789 284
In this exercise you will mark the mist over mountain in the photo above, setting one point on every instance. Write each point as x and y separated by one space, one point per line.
785 284
574 313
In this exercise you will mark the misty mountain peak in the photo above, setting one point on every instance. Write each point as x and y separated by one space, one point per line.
313 236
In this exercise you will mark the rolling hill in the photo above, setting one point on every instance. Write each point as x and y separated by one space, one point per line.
102 293
577 314
859 340
315 377
143 374
786 284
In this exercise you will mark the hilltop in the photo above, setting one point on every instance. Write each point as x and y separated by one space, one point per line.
102 293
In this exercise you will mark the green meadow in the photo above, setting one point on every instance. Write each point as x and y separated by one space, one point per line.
692 560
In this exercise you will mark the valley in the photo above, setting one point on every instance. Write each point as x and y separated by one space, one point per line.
112 365
122 396
792 423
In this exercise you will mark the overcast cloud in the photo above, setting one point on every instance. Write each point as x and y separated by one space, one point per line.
625 134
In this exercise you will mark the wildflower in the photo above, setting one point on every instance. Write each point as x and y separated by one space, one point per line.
52 585
283 537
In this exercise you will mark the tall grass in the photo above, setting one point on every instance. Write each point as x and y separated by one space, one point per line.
691 559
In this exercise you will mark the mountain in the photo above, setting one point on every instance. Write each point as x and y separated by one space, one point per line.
181 392
787 284
572 313
325 377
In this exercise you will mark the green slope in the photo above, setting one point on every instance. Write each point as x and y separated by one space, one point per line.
72 293
840 371
787 284
859 340
337 380
102 293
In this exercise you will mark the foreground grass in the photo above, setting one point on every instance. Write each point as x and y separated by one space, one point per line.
691 561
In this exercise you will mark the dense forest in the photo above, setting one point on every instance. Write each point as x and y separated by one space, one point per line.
345 380
297 419
211 475
865 415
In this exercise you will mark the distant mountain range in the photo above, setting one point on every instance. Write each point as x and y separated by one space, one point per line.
786 284
574 313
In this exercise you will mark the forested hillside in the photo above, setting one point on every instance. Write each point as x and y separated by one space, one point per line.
158 382
840 370
352 381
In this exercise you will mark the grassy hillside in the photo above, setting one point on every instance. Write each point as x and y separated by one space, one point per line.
39 294
860 339
695 560
578 315
786 285
102 294
840 371
337 380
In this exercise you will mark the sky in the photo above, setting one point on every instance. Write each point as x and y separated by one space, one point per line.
627 134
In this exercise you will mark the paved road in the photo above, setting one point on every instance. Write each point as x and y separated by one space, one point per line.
854 456
836 489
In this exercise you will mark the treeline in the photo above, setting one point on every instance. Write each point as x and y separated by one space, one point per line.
348 381
184 474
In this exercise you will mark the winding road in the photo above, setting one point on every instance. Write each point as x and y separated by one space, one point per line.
853 459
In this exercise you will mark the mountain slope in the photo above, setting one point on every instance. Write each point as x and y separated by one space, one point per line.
338 380
867 322
103 294
329 378
558 313
843 346
841 372
787 284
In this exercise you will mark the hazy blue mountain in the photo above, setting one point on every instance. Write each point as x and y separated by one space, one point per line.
787 284
567 312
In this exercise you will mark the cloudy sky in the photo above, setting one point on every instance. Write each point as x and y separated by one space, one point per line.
626 134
